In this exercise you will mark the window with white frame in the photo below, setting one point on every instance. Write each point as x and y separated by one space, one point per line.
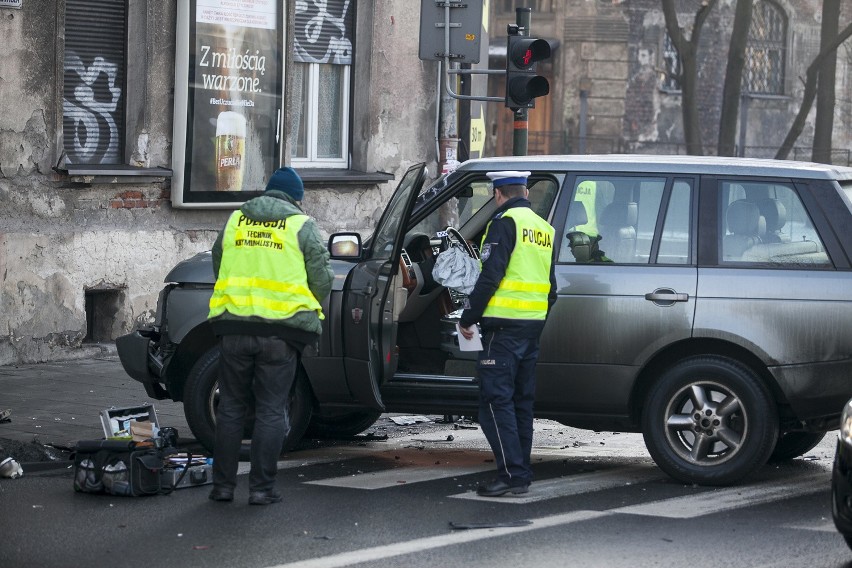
319 135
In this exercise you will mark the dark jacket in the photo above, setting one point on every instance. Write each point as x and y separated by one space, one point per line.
304 328
497 247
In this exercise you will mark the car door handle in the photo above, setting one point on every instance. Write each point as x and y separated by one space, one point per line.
666 295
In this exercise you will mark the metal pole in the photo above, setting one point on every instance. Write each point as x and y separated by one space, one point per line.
521 116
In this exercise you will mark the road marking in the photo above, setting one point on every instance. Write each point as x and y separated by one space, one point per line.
574 485
719 500
398 476
439 541
690 506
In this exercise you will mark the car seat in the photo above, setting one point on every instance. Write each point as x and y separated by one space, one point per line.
775 214
746 226
618 229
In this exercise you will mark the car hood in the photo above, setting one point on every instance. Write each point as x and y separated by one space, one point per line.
199 270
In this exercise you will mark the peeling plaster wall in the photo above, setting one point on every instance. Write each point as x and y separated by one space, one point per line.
60 239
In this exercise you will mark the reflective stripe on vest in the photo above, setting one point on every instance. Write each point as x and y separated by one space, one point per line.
263 270
522 293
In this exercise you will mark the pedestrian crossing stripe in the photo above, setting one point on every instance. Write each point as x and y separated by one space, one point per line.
575 485
705 503
719 500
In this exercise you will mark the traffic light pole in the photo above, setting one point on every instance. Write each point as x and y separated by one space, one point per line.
521 123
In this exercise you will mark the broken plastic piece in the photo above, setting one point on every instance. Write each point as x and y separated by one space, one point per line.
468 526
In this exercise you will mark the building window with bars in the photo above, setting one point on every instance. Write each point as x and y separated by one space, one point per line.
319 135
671 63
766 50
94 89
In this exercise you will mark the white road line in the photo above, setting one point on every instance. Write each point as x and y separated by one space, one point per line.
690 506
574 485
719 500
398 476
439 541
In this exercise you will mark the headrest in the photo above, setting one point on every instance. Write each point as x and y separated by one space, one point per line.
744 218
577 214
620 214
774 212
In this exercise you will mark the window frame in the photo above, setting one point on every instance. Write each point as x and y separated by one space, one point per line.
311 115
765 10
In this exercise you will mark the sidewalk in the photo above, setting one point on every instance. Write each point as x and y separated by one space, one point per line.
59 403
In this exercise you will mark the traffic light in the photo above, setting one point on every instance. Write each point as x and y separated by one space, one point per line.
522 84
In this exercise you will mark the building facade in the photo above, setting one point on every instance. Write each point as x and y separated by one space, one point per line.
89 228
102 188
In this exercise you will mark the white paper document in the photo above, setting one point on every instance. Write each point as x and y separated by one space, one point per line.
474 344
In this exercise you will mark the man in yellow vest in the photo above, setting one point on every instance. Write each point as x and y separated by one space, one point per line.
511 300
272 271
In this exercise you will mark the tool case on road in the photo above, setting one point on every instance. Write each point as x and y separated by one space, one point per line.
200 474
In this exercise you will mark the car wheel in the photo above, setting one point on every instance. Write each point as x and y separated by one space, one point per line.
709 420
341 425
794 444
201 395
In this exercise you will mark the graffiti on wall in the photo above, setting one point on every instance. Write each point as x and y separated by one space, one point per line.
323 32
90 109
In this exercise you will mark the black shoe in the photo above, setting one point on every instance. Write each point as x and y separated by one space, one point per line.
496 488
264 497
221 494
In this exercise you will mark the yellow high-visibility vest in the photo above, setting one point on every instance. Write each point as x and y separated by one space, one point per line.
586 194
522 293
263 270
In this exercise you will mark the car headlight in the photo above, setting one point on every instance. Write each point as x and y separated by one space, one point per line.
846 424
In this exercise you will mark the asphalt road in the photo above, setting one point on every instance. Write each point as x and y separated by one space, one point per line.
598 500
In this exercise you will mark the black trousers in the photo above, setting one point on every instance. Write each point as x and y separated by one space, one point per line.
506 369
263 369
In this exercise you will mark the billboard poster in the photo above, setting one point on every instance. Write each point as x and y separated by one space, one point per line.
228 86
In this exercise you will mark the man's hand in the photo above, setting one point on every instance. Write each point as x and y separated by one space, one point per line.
468 332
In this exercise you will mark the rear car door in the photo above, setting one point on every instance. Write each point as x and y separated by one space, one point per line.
626 278
373 297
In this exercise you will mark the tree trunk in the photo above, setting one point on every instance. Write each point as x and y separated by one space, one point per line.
734 79
824 121
686 49
810 93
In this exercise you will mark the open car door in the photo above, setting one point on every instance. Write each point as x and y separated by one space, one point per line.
373 298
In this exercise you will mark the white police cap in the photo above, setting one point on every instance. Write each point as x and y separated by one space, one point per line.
508 177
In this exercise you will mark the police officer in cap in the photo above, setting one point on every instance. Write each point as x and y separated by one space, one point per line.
510 301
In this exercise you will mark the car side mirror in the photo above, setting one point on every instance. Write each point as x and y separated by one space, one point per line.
345 246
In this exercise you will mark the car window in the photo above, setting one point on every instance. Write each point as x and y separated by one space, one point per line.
846 187
612 219
675 240
766 222
456 211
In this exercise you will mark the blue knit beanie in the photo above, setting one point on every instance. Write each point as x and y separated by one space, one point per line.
288 181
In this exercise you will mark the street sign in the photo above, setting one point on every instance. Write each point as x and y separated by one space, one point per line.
465 24
11 4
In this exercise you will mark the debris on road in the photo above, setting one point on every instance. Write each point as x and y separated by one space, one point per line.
409 420
11 469
495 525
6 415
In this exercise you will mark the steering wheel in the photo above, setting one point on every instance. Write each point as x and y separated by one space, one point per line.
455 239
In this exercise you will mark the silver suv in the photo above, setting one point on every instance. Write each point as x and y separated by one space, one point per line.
705 302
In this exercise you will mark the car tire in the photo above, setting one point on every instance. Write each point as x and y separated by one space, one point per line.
201 397
341 425
709 420
791 445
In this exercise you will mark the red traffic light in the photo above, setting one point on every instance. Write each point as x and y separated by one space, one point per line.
524 52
